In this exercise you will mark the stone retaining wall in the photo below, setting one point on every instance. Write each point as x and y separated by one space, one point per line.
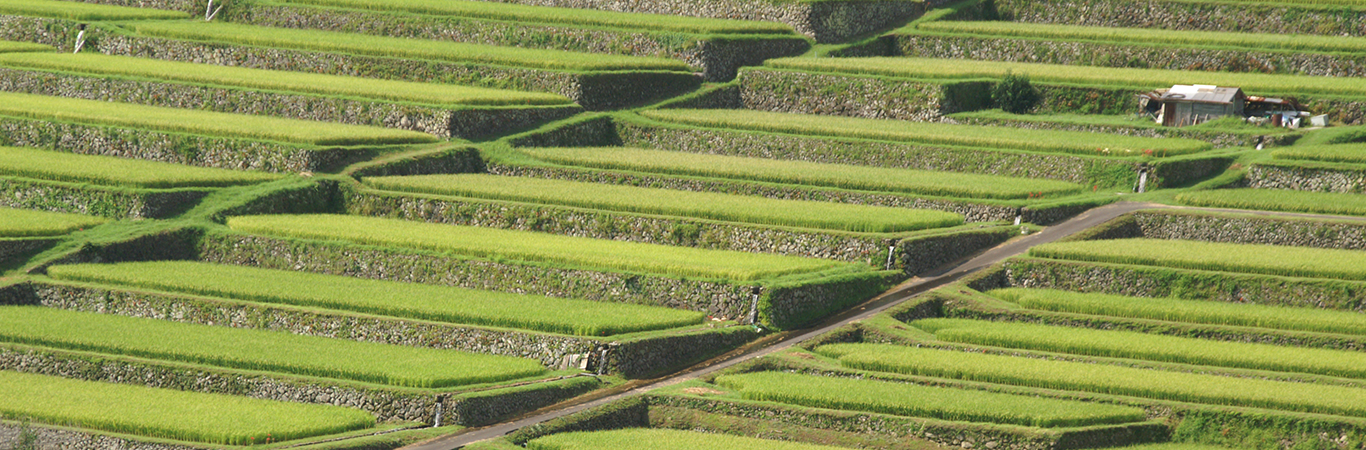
593 90
185 149
1237 229
445 161
194 7
11 248
679 231
824 21
718 57
1154 56
915 256
1342 179
49 438
55 32
465 122
115 203
1282 18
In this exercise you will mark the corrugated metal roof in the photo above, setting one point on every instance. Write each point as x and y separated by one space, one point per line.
1202 93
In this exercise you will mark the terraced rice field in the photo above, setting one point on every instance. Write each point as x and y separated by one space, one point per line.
1148 36
1139 79
111 171
84 11
30 223
1341 153
327 41
662 440
1247 258
923 182
533 247
170 414
260 350
568 16
924 401
406 300
930 133
172 120
440 95
1191 311
1278 200
703 205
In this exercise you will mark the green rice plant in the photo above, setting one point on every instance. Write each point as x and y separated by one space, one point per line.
441 95
662 439
1133 345
534 247
1278 200
253 349
12 47
83 11
925 182
1275 260
569 16
955 69
1150 36
1103 378
173 120
931 133
390 298
382 46
29 223
704 205
906 399
112 171
167 413
1341 153
1188 311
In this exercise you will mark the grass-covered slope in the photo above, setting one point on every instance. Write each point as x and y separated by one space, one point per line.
533 247
169 414
910 181
172 120
253 349
406 300
112 171
704 205
455 52
440 95
931 133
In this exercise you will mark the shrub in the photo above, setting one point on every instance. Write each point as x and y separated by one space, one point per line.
1015 94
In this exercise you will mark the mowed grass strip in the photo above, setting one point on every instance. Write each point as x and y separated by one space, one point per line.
31 223
390 298
662 439
949 69
1341 153
930 133
167 413
1276 260
906 399
1279 200
252 349
1150 36
1188 311
570 16
925 182
1102 378
1134 345
75 10
190 121
382 46
442 95
12 47
533 247
113 171
669 202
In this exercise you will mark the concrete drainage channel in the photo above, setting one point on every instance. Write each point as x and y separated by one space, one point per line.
782 341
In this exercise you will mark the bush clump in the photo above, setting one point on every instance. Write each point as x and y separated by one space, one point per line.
1015 94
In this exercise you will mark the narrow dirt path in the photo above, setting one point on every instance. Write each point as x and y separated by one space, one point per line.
776 343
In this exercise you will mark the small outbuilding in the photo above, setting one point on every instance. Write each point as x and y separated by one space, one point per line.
1184 105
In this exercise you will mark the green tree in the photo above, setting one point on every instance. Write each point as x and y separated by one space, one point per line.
1015 94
